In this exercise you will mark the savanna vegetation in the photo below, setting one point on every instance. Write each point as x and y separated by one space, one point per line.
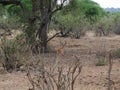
28 27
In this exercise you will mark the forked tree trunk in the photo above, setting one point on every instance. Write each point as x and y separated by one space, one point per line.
47 8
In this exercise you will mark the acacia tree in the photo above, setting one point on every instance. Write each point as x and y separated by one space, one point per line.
46 8
78 16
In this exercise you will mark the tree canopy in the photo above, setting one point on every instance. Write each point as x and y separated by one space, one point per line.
75 15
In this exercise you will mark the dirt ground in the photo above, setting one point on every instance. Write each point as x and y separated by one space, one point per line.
92 77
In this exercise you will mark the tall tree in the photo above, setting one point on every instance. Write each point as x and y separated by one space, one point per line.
47 9
78 15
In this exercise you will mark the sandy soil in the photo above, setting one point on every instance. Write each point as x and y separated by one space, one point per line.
92 77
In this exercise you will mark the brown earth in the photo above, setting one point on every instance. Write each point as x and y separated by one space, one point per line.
92 77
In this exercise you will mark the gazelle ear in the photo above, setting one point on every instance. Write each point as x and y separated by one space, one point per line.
60 42
65 43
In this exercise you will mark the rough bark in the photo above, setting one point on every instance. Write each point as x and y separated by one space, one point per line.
47 9
42 32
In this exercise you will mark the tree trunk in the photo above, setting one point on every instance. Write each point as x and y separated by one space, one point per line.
42 32
46 12
43 36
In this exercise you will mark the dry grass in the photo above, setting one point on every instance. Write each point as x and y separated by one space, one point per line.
92 77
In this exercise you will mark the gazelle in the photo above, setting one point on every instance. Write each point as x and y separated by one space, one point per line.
60 50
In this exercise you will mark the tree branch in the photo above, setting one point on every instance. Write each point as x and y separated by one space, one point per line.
8 2
60 7
53 36
16 2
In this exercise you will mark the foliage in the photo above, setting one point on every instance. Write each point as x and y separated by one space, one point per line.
101 62
89 8
17 10
104 26
116 23
77 16
13 52
101 53
70 23
8 22
109 24
10 51
116 53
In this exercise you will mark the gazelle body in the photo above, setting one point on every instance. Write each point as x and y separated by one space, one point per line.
60 50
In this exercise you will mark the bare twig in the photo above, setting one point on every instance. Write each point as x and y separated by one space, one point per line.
109 71
58 78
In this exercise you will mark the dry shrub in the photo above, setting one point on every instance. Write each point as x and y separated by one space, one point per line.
12 52
101 62
55 77
101 54
116 53
77 33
